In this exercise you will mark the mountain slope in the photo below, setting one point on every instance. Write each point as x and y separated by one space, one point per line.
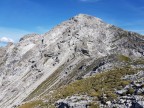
75 49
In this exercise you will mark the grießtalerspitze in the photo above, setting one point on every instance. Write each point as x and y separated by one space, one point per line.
77 50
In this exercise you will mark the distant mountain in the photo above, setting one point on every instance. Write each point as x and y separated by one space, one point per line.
81 63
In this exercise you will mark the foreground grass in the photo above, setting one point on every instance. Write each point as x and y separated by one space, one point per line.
102 83
32 104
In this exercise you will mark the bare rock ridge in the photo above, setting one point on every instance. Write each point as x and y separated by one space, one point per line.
76 49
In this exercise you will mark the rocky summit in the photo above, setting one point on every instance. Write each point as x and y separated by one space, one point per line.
81 63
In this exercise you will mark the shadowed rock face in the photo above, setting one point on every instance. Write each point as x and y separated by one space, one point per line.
80 41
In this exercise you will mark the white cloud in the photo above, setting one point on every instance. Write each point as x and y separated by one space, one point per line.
12 33
6 39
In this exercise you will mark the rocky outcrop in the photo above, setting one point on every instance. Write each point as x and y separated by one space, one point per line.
74 102
75 49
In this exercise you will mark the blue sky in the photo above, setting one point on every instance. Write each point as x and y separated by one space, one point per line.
19 17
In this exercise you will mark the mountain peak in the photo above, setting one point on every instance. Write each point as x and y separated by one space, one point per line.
76 49
85 16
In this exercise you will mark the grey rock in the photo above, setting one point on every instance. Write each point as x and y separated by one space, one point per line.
81 101
83 41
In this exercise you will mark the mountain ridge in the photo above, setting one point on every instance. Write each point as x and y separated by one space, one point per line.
67 50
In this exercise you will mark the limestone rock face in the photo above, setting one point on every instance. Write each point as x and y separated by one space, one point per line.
62 56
